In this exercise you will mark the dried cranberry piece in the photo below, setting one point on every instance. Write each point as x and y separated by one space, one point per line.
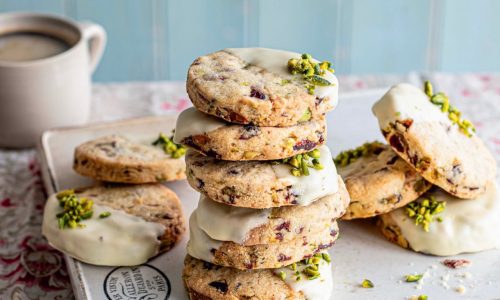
284 225
397 143
456 263
283 257
305 145
255 93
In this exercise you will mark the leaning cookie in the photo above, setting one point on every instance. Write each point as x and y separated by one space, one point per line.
260 256
121 225
255 86
248 227
308 279
225 141
262 184
428 133
440 224
118 159
378 180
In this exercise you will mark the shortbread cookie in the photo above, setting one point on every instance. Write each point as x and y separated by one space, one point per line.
445 153
204 280
259 256
248 226
254 86
117 159
464 226
122 225
224 141
378 180
260 184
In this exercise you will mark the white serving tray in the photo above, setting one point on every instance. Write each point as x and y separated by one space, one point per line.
361 252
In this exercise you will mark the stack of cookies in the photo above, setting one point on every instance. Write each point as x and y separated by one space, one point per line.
433 186
270 193
127 218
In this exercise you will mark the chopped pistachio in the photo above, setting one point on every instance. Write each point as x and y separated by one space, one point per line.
423 211
311 71
104 214
367 284
307 268
301 163
282 275
347 157
441 99
422 297
306 116
74 211
413 278
170 148
285 82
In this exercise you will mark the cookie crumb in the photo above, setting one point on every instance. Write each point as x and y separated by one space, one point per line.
460 289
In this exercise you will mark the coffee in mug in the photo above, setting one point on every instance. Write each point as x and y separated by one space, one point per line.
25 46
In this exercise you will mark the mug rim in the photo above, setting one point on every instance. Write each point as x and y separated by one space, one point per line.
46 60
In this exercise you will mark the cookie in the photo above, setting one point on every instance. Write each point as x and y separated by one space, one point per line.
446 153
259 256
378 180
260 184
121 225
248 227
254 86
222 140
463 226
208 281
117 159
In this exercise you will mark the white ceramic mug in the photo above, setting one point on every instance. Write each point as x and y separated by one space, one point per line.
36 95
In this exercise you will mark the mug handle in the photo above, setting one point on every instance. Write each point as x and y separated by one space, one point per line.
95 36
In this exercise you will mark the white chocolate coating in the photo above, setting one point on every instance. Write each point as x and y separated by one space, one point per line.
192 122
317 289
276 61
467 226
200 245
318 184
405 101
228 223
118 240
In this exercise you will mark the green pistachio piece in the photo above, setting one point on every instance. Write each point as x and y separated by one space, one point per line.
413 278
367 284
320 81
306 116
104 214
422 297
282 275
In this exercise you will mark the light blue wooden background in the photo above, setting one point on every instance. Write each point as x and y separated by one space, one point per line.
157 40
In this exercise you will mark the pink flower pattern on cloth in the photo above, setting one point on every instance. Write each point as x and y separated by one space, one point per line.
31 269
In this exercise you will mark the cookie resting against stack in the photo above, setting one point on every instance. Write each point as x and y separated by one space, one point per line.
429 144
270 193
129 221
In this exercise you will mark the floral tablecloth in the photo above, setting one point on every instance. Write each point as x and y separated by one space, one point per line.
31 269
